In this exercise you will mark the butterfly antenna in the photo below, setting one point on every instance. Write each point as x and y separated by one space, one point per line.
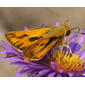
66 22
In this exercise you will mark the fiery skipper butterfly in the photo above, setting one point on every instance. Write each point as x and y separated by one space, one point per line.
35 43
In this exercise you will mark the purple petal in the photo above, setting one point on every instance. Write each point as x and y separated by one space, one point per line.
12 58
74 37
17 75
11 53
43 72
19 63
10 49
57 24
59 75
61 71
20 67
25 28
49 54
83 75
31 65
2 52
22 72
66 49
70 74
83 31
37 67
5 45
81 39
53 66
24 63
75 47
82 54
79 74
52 74
56 48
65 75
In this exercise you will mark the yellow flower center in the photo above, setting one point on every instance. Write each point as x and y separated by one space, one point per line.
67 61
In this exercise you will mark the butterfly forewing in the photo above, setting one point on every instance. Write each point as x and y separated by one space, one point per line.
40 48
23 39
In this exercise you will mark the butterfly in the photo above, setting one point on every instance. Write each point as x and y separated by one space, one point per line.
36 42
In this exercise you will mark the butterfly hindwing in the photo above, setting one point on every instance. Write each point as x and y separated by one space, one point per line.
40 48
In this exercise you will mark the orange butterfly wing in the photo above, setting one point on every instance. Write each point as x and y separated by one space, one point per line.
34 43
23 39
39 49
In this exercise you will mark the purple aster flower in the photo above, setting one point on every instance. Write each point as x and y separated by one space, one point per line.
65 61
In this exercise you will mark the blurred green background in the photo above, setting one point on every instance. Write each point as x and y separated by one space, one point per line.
16 18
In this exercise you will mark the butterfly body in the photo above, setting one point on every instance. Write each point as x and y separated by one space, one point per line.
35 43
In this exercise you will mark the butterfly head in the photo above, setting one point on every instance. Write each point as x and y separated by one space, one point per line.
66 29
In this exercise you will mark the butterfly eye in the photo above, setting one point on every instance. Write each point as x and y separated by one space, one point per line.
68 32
